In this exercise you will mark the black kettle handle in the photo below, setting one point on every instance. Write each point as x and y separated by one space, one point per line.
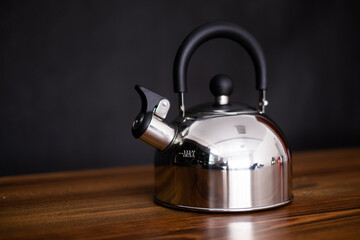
215 30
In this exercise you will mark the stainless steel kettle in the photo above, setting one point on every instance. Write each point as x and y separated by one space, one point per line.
220 156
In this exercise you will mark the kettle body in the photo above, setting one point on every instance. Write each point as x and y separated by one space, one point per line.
244 167
220 156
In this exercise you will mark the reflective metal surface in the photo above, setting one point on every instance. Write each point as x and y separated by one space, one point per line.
222 100
158 134
262 101
225 163
162 108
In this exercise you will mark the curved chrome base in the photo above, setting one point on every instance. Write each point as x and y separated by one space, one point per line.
221 210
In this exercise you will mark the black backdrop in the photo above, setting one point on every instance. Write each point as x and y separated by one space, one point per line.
68 70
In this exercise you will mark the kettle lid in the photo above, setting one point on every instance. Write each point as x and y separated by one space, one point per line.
221 86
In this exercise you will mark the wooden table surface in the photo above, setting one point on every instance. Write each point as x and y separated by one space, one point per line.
118 203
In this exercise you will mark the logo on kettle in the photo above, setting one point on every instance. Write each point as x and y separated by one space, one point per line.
188 153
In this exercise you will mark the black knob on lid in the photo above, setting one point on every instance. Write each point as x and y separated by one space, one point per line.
221 85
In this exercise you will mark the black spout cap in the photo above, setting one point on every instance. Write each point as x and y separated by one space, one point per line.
149 101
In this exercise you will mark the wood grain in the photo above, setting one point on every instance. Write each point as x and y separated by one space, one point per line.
118 203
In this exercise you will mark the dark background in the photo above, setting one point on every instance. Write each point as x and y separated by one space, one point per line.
68 70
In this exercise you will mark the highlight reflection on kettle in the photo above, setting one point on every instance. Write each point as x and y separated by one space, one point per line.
220 156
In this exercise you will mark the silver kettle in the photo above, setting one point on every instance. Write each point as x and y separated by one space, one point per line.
219 156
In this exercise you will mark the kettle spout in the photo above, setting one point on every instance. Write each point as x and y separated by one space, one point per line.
149 125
